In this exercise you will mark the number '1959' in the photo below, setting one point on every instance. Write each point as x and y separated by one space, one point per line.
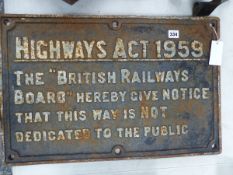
170 49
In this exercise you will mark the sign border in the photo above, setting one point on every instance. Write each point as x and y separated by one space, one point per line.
13 158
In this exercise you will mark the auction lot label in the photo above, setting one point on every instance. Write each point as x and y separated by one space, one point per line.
107 88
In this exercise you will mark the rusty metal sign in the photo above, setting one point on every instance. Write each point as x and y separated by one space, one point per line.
90 88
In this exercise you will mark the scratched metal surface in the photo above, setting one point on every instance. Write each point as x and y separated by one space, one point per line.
201 116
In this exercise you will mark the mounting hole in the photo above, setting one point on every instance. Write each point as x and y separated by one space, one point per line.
6 22
213 146
11 157
115 24
212 24
117 150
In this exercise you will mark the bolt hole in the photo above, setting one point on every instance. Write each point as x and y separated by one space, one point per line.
115 24
7 22
11 157
117 151
212 24
213 146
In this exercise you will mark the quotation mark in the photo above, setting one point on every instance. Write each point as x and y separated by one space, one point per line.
52 70
70 93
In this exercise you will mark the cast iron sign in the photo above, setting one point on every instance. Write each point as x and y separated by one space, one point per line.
93 88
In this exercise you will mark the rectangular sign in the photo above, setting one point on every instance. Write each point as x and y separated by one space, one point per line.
90 88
